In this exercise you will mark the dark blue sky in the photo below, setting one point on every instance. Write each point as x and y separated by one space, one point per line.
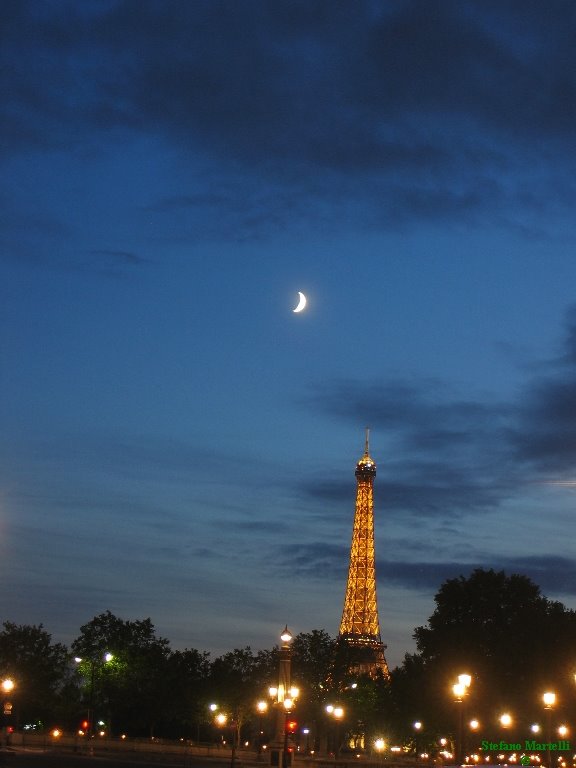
174 441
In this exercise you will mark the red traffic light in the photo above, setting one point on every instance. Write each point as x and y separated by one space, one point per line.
291 726
84 725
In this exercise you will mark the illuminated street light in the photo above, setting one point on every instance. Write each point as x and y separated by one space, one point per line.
460 691
380 744
262 707
336 712
8 686
284 696
417 728
549 700
505 720
221 720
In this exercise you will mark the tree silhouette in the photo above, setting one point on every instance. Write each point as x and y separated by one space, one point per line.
501 630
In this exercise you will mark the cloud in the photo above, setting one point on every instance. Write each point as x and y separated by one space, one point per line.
449 453
317 560
412 112
110 263
555 575
119 257
453 457
544 436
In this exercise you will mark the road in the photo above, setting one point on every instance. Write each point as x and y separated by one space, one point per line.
21 758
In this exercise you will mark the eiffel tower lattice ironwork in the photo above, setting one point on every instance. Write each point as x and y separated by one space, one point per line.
360 626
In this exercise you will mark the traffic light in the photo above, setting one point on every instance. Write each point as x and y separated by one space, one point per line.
291 726
84 725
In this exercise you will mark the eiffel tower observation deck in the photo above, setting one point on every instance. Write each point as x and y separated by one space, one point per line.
360 626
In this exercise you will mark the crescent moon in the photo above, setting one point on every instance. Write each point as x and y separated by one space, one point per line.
301 302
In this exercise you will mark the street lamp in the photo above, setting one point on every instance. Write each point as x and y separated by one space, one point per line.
7 688
380 744
338 715
262 707
549 700
417 728
221 720
336 712
284 696
459 690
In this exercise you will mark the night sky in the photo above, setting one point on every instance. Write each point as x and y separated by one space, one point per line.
175 442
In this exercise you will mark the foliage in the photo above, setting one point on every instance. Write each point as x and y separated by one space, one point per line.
185 708
238 679
40 670
501 630
136 672
312 660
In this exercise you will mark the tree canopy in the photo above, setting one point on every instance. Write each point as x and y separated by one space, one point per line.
501 630
40 669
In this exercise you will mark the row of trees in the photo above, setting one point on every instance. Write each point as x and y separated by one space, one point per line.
500 629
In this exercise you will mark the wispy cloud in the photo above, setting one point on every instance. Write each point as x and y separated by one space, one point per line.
330 104
556 575
453 457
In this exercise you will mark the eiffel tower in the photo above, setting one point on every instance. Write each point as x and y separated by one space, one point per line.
359 632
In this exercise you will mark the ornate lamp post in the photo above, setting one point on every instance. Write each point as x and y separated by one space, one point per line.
284 698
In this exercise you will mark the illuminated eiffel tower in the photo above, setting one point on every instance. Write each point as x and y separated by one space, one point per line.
360 627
